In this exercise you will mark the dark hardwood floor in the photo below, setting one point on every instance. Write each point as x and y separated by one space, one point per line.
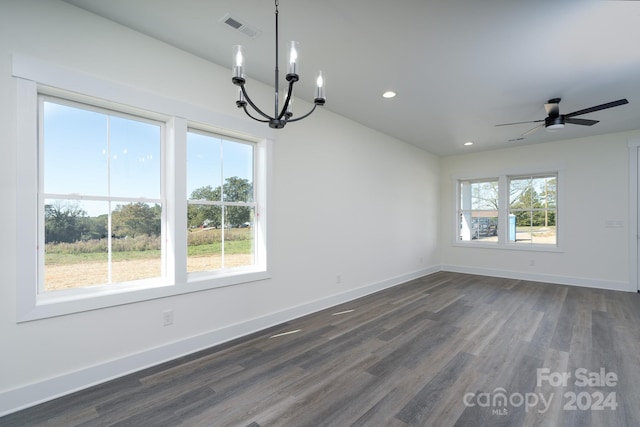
446 349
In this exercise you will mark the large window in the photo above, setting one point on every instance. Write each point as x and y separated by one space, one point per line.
101 198
119 203
532 209
221 213
519 211
478 210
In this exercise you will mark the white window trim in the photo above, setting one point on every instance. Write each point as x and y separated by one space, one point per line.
161 199
633 143
503 207
34 77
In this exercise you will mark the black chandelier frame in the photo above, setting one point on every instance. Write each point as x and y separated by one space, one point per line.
281 116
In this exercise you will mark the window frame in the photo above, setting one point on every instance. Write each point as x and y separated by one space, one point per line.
42 195
34 78
532 210
460 210
504 178
258 230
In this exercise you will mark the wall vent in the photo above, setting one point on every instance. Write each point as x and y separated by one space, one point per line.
239 25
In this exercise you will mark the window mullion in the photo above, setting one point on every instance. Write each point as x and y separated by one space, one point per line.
175 197
110 206
503 209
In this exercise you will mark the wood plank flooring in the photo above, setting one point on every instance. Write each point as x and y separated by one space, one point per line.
447 349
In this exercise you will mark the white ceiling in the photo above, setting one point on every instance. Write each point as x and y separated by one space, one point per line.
459 66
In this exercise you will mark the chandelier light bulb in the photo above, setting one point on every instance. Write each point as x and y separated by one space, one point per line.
293 58
320 96
238 59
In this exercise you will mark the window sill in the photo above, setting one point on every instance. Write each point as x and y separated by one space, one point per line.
510 246
64 302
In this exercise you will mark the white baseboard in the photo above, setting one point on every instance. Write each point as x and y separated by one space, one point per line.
545 278
42 391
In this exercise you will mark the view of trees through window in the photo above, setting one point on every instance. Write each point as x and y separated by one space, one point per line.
221 208
101 198
80 250
533 207
531 213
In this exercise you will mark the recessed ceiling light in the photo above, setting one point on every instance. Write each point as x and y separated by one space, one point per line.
389 94
468 143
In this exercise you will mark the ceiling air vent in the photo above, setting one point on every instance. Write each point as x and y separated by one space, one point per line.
237 24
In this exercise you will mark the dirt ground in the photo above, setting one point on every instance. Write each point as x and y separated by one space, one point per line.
86 274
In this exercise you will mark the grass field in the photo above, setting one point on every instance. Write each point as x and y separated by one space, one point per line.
73 265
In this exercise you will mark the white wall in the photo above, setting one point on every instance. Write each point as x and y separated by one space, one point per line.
346 201
595 190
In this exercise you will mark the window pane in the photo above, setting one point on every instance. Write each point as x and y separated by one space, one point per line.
219 173
204 167
75 150
89 154
533 202
204 241
478 216
523 226
479 225
238 171
547 191
541 233
76 244
134 150
136 244
239 237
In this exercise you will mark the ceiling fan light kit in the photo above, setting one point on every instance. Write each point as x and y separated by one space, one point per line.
553 124
556 121
280 116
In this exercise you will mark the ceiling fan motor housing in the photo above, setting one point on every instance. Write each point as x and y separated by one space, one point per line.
554 123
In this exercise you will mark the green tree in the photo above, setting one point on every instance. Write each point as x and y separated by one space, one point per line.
548 199
135 219
234 190
237 190
205 215
63 222
94 227
524 206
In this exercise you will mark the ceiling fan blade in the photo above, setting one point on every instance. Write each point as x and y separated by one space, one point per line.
583 122
598 108
530 131
519 123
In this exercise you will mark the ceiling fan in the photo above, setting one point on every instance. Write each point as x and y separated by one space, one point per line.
555 120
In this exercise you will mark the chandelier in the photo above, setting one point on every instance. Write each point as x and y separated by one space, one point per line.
280 116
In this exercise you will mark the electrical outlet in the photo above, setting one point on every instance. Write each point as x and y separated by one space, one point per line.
338 279
167 317
532 263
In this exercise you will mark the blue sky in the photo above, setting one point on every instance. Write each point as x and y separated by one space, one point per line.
95 154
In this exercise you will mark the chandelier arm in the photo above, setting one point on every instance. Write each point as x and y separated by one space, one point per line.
254 118
286 102
302 117
259 111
